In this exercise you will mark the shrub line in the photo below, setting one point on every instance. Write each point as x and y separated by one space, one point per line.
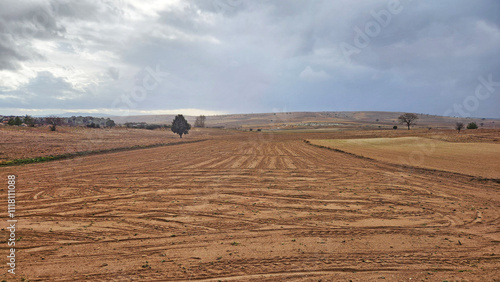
89 153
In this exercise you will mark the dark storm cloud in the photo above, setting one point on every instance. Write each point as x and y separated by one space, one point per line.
43 90
20 22
9 56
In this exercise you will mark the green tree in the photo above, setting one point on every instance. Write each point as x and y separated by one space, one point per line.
18 121
472 125
110 123
180 125
408 118
29 121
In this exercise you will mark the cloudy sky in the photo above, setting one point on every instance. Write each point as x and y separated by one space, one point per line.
242 56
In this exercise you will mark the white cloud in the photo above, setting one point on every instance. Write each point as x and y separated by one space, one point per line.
308 74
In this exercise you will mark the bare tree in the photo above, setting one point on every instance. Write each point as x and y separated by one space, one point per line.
459 126
54 122
200 121
409 119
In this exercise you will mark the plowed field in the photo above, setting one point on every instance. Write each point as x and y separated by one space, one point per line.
259 207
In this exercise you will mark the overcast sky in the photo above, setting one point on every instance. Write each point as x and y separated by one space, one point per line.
242 56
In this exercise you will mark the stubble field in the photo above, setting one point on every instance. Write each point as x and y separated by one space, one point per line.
476 159
251 206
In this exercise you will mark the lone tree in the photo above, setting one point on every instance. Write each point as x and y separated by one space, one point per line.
472 125
459 126
180 125
408 118
200 121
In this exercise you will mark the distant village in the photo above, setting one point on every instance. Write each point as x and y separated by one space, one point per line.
27 120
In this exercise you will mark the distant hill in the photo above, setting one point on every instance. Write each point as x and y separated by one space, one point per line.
156 119
294 120
77 114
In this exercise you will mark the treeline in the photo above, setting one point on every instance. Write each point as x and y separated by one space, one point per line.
16 120
30 121
143 125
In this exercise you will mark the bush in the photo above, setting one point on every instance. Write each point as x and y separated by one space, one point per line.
29 121
472 125
143 125
154 126
15 121
110 123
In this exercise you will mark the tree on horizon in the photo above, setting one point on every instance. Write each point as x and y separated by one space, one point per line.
459 126
180 125
200 121
409 119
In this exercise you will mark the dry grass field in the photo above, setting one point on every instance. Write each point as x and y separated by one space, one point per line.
478 159
244 206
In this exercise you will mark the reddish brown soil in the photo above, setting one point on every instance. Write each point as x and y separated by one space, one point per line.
250 206
27 142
